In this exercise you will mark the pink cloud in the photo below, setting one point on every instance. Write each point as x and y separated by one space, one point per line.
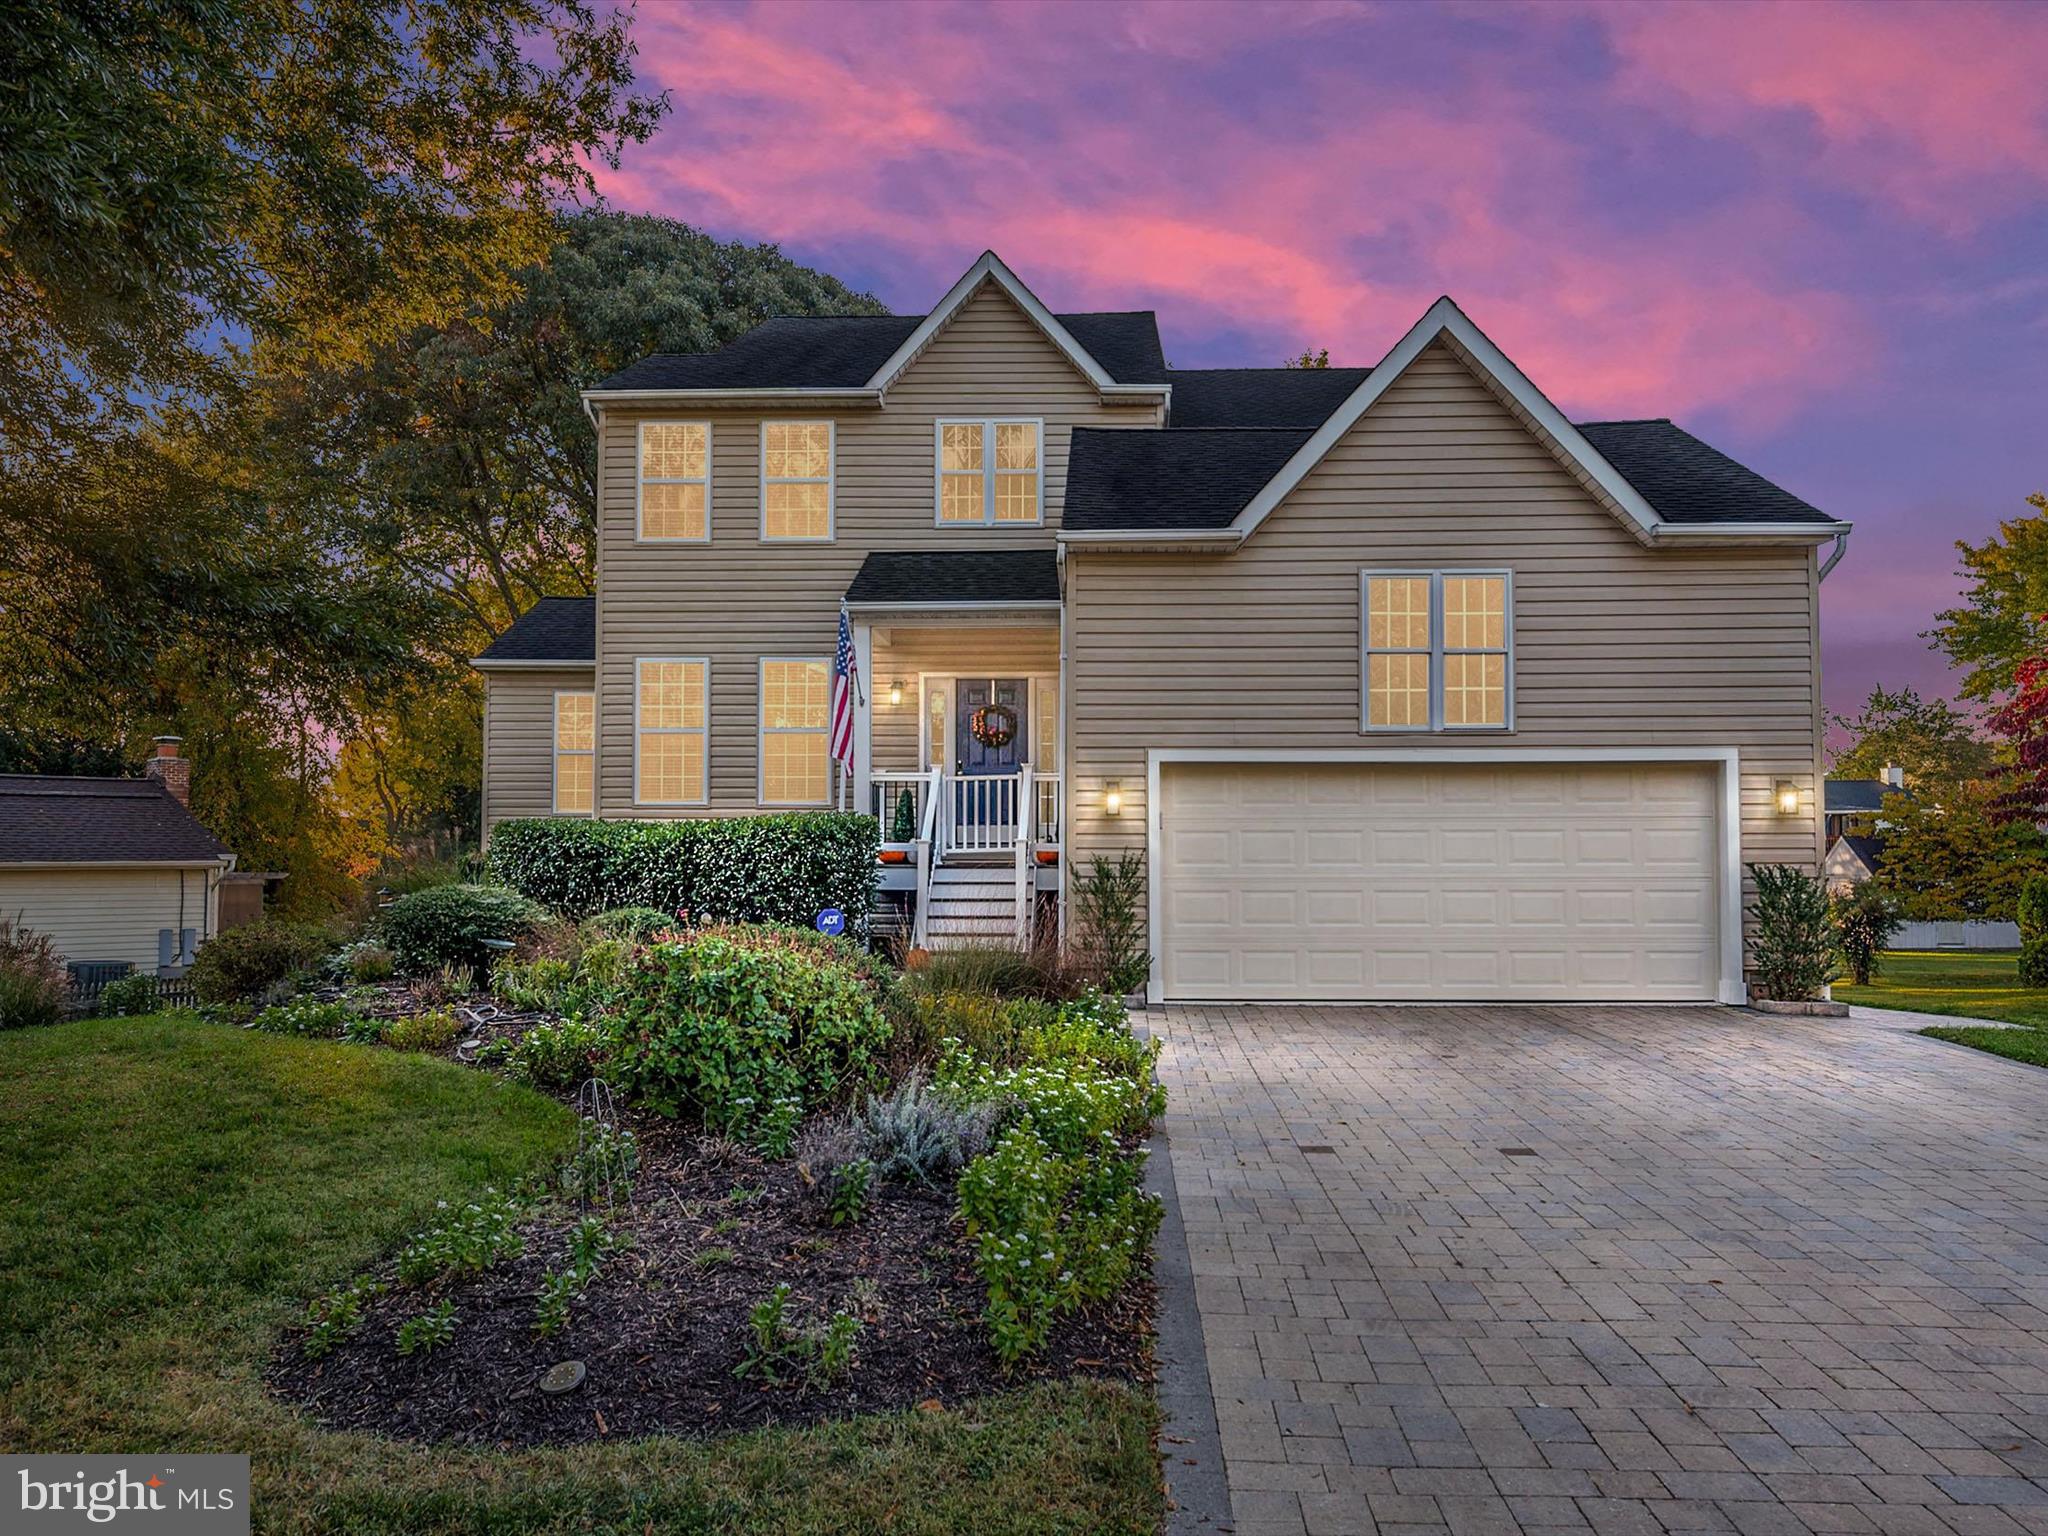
1936 109
921 134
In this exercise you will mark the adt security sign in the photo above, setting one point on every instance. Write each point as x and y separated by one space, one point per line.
832 922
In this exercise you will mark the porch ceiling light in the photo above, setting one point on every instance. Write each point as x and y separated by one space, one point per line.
1787 795
896 691
1113 798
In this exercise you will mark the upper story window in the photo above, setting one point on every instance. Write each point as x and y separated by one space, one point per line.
575 753
991 472
796 480
1438 650
670 705
675 481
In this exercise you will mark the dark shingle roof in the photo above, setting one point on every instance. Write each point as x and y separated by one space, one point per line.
957 576
553 629
1259 397
844 351
1869 849
1118 478
1688 482
1851 797
51 820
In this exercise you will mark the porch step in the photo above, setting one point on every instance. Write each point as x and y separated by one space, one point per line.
971 905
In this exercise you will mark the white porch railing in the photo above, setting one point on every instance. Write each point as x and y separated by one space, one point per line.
888 790
960 815
982 811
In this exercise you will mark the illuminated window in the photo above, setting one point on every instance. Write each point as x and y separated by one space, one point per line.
575 753
796 480
795 703
990 472
669 731
1437 650
675 481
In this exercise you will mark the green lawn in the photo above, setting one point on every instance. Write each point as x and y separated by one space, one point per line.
1977 984
170 1193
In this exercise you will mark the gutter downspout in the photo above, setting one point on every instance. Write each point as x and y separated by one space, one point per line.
1841 549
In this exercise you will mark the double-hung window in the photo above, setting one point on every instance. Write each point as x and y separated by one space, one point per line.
795 700
675 482
796 481
991 472
671 700
1438 650
575 753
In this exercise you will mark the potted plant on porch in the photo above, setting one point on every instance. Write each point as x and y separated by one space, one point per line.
1792 947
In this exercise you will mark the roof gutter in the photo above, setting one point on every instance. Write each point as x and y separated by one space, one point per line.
850 396
507 664
1835 557
1156 538
1747 533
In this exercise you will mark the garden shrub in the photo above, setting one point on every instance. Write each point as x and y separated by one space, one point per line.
463 1240
1865 920
917 1134
248 961
447 925
1109 911
836 948
751 869
305 1016
129 996
558 1055
1792 951
34 986
2032 910
635 924
433 1030
1000 970
369 963
748 1040
2034 963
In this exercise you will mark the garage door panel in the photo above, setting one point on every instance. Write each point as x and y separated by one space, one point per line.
1439 882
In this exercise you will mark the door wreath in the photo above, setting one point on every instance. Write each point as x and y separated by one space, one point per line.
993 725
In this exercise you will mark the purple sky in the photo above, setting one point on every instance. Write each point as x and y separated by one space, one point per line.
1816 235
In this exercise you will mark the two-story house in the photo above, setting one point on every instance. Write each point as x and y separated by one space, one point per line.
1404 686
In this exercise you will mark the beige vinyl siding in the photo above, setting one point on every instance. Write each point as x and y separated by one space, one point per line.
111 914
737 599
1615 645
946 654
519 739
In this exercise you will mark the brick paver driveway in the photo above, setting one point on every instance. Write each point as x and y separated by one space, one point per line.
1626 1270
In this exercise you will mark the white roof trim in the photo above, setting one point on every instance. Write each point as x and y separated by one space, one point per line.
990 268
1444 318
854 394
526 664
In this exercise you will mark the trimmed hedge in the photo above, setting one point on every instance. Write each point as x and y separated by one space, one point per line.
741 869
450 924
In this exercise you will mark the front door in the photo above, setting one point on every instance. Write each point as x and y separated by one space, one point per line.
991 728
991 724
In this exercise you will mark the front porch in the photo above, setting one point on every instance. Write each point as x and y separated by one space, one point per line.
957 756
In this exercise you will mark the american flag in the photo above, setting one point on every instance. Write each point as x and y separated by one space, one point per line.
845 681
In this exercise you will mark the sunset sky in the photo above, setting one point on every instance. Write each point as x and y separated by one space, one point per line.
1815 235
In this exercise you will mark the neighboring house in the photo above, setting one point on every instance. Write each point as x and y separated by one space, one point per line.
1402 685
115 871
1855 803
1851 860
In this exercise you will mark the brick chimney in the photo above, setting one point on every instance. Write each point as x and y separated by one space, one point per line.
171 770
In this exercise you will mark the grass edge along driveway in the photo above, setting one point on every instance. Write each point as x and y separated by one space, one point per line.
173 1192
1967 984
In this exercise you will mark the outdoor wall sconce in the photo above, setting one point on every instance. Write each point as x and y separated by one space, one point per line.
1787 795
1113 798
896 692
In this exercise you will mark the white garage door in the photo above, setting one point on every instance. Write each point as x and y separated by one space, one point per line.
1379 882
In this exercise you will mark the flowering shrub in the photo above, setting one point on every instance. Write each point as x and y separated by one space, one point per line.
1071 1105
464 1240
747 1040
305 1016
558 1055
128 995
1054 1232
749 869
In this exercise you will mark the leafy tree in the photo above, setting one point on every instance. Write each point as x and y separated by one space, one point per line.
1934 742
308 174
2004 617
1317 359
1959 858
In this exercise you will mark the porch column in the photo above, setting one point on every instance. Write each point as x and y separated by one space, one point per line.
863 714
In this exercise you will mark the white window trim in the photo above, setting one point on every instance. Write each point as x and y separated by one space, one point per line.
762 731
830 480
557 751
642 481
640 664
1436 651
988 425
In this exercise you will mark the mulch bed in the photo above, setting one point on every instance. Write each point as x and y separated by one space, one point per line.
664 1323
